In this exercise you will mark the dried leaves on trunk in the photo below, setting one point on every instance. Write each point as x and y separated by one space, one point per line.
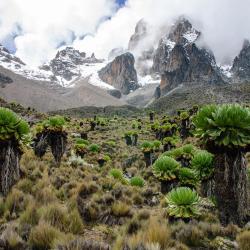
9 165
57 140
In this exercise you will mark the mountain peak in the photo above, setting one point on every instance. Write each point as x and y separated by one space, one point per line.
183 32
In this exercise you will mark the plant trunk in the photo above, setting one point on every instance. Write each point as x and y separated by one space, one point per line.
231 186
148 158
58 143
207 188
135 140
128 140
41 144
184 131
9 165
167 186
167 147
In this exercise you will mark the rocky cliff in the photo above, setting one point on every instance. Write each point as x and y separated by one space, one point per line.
121 73
180 61
241 64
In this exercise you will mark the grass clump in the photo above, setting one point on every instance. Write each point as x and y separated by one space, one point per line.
56 216
120 209
137 181
43 236
243 240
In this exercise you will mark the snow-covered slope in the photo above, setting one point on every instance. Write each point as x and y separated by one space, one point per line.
65 69
13 63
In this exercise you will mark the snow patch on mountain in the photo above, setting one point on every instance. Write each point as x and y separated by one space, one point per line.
191 36
149 79
226 70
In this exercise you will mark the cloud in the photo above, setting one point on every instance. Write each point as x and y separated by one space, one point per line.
46 24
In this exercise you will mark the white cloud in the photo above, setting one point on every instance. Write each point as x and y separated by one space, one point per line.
47 23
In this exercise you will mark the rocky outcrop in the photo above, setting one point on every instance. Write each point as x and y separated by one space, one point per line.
241 64
115 93
4 80
183 34
189 65
121 74
7 57
67 62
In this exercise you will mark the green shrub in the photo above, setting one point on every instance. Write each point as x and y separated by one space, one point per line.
166 168
95 148
147 146
81 141
225 125
12 126
183 202
203 164
156 145
111 143
55 123
137 181
116 173
184 115
188 177
171 140
187 152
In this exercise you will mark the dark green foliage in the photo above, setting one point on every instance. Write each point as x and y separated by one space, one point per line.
147 146
188 177
116 173
12 126
137 181
203 164
225 125
95 148
166 168
55 123
183 202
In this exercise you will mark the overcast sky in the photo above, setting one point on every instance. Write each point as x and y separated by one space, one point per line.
35 29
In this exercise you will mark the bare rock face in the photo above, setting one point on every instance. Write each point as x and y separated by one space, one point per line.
189 65
241 64
182 33
180 61
121 74
4 80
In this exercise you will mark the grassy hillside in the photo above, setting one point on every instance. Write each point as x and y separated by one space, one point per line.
109 198
186 97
